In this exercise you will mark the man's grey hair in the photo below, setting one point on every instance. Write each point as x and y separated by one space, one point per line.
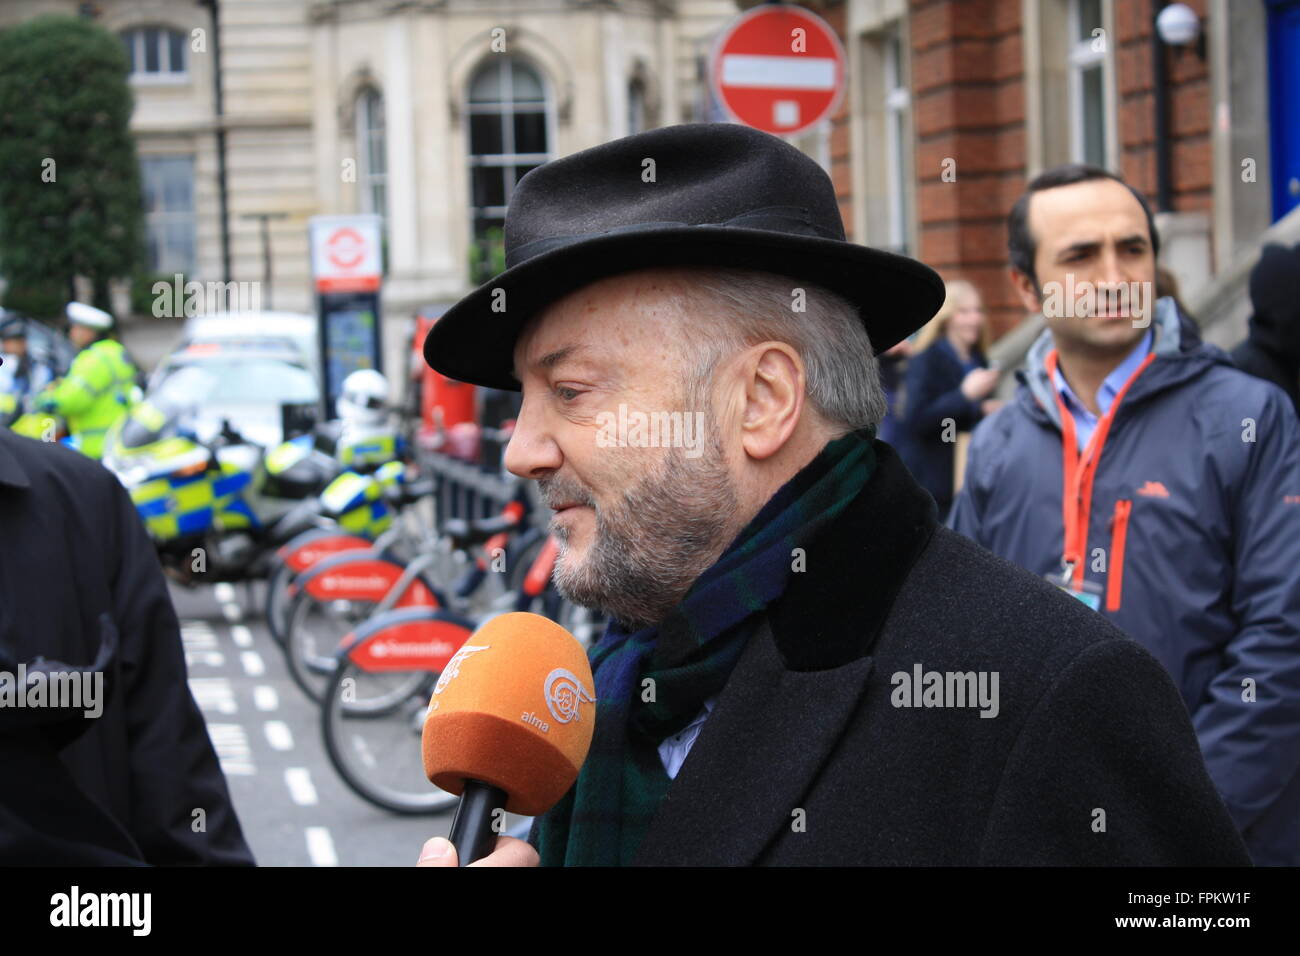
728 310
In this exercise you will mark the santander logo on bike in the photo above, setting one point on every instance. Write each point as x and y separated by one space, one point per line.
393 648
335 582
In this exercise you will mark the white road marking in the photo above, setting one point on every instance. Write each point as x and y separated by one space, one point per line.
363 750
224 592
303 791
231 744
253 664
320 847
201 646
241 635
265 697
204 658
278 734
214 693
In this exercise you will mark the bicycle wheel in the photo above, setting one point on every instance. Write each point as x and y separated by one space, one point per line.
521 558
277 600
379 756
316 629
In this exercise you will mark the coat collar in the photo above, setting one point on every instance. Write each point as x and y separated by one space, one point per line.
797 683
833 611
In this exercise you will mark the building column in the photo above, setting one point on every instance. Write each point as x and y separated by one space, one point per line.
399 121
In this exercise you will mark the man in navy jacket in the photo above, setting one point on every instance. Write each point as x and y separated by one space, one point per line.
1141 472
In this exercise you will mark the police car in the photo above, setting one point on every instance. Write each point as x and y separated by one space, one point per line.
288 330
257 371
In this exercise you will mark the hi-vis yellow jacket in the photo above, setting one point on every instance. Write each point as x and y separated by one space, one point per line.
98 390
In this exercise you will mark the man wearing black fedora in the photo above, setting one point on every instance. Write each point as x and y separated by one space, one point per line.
802 666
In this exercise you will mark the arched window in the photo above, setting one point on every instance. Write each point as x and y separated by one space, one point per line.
155 51
508 136
372 153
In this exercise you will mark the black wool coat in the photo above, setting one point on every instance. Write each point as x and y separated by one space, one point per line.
806 760
80 584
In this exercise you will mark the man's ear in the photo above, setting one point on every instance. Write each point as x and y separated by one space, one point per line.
1026 288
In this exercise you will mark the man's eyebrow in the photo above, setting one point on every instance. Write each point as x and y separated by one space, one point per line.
1080 247
1093 245
552 359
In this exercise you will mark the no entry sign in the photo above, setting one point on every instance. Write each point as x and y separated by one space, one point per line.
779 68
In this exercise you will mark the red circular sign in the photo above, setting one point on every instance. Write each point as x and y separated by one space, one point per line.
346 248
779 69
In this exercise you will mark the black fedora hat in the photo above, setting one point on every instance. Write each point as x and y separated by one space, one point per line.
706 194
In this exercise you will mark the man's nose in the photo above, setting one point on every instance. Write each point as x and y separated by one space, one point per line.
531 452
1110 268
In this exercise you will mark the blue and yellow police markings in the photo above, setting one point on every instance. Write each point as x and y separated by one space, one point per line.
178 505
357 501
372 450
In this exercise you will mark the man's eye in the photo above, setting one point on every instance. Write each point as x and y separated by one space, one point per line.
566 394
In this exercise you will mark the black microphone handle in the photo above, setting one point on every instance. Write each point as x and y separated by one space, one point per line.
471 829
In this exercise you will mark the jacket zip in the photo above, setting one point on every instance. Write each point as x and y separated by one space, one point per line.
1118 537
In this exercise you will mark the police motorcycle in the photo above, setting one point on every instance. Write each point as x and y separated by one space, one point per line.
217 506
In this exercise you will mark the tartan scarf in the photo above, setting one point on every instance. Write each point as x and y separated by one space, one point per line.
603 817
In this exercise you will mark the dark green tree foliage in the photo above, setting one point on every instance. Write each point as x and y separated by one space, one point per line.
69 179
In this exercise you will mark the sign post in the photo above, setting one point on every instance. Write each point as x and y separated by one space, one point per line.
779 68
346 266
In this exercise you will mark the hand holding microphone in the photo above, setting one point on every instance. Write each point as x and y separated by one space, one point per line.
508 852
509 725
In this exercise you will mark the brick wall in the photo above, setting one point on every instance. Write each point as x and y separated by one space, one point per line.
1191 164
968 107
841 158
968 103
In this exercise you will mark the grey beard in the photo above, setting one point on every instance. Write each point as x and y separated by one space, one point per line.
652 546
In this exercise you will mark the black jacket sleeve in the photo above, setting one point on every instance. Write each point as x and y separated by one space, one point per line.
1090 783
173 768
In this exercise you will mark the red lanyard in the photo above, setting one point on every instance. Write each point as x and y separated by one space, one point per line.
1076 497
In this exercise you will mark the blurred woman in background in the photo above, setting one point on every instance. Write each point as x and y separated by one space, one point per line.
946 390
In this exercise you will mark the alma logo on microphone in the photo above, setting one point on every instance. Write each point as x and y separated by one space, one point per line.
453 666
564 693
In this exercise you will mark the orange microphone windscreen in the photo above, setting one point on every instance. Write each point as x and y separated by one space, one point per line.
514 708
